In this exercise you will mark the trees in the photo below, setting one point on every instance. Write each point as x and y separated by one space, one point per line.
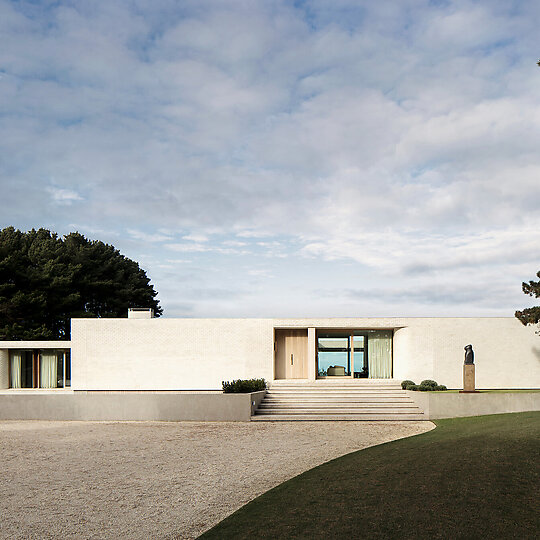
45 280
530 315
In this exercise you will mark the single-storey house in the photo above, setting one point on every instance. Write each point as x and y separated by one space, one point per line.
143 353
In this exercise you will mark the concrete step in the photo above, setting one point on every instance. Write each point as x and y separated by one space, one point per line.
329 382
337 410
327 391
339 417
342 405
337 399
326 386
342 395
337 402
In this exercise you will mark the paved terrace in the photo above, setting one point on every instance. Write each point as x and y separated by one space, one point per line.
158 479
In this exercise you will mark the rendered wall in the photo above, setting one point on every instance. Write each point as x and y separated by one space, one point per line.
131 406
452 405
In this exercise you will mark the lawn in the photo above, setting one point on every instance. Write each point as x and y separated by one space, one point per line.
474 477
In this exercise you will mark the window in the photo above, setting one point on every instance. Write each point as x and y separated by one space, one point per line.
47 368
354 353
360 356
333 355
22 369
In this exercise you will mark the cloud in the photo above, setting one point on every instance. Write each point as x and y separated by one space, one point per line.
63 196
202 247
399 137
198 238
145 237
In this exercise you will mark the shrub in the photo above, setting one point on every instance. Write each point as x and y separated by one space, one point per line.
430 383
243 386
425 386
406 383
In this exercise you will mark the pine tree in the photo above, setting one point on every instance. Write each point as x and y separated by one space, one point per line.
530 315
46 280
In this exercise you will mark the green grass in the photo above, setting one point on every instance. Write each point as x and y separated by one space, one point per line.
517 390
469 478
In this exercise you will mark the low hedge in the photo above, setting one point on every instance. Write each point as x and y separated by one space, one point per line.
426 385
243 386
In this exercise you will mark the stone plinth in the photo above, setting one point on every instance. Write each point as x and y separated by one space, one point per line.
468 378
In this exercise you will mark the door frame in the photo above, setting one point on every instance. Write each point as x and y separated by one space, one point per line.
283 370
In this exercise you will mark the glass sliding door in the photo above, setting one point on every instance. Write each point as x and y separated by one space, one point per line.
55 369
63 369
380 354
360 355
334 355
15 369
354 353
67 368
21 369
48 368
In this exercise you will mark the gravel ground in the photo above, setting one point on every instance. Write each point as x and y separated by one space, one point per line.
158 479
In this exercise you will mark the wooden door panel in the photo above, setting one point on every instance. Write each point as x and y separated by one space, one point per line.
281 362
291 354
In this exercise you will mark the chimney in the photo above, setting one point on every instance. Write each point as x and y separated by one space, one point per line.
140 313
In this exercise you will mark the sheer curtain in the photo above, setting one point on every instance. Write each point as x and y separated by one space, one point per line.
16 365
380 354
48 370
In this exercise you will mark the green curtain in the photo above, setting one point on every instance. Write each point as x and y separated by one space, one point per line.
380 354
16 365
48 370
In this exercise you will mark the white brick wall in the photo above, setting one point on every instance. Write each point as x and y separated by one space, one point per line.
171 354
507 354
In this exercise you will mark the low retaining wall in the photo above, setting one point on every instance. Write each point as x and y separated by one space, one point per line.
130 406
451 405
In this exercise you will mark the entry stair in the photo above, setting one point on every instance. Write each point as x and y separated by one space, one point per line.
325 399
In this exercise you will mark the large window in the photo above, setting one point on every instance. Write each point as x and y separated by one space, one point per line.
333 355
47 368
354 353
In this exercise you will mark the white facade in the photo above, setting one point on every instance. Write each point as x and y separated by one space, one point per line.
174 354
198 354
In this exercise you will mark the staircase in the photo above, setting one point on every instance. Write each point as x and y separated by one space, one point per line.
326 399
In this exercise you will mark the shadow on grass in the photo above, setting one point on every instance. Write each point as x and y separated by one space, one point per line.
474 477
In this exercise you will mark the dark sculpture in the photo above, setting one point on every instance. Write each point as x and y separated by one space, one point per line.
469 355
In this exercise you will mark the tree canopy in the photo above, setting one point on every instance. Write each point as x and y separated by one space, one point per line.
45 280
530 315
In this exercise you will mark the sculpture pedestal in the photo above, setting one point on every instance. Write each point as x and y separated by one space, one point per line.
468 379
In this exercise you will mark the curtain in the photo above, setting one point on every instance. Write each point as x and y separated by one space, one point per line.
16 366
380 354
48 370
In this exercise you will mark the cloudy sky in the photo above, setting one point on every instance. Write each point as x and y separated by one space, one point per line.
279 158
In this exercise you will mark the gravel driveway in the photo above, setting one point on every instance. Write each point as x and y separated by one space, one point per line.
157 479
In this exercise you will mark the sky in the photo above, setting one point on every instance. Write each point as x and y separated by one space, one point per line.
283 159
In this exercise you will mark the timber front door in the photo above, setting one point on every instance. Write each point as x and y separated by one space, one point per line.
291 354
